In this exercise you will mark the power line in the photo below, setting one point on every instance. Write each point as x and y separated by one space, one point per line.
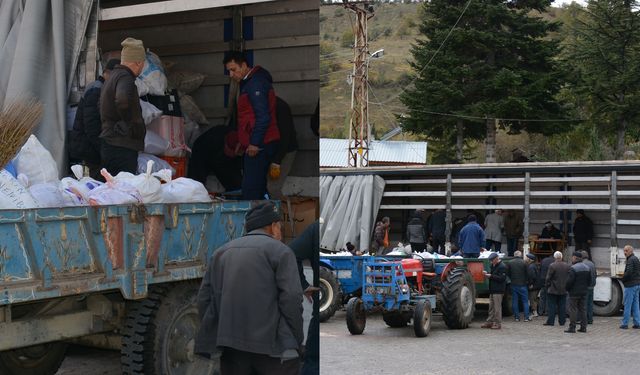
432 57
471 117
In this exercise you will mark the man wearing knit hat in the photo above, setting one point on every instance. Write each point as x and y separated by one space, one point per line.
250 301
123 128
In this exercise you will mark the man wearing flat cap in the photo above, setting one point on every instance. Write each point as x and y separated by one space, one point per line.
578 282
497 284
535 282
250 301
123 128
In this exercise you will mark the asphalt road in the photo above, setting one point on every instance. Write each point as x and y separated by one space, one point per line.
518 348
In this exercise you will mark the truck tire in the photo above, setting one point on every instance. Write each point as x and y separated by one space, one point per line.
356 316
395 319
330 294
42 359
159 332
458 299
612 307
422 318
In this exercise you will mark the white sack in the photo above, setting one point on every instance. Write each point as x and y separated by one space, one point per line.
36 162
158 164
149 112
184 190
113 192
12 194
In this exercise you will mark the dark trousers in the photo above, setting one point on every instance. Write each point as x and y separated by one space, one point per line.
589 302
417 247
577 310
544 308
254 174
438 244
556 304
493 244
312 347
471 255
512 246
119 159
207 156
583 245
236 362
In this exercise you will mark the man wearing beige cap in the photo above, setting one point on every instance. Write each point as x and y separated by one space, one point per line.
123 128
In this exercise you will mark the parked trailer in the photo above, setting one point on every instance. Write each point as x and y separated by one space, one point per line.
608 191
131 271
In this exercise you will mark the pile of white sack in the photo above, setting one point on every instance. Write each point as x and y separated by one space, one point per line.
32 182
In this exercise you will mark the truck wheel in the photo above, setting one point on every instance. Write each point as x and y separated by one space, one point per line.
458 299
612 307
330 294
159 333
42 359
422 318
395 319
356 316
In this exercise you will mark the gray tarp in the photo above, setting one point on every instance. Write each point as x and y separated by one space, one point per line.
348 208
39 47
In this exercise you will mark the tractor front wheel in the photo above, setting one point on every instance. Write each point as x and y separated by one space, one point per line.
422 318
356 316
330 294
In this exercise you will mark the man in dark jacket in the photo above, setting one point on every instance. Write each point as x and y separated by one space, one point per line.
84 138
556 283
631 281
436 227
544 269
416 233
258 133
306 247
497 284
211 155
583 232
123 128
578 281
513 228
471 238
550 231
592 269
250 300
517 272
535 283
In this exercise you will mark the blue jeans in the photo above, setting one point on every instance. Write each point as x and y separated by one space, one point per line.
631 305
254 174
520 293
556 304
589 303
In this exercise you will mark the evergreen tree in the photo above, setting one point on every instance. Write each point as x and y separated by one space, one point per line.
602 50
496 63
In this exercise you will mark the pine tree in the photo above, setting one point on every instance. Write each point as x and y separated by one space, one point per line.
602 49
495 64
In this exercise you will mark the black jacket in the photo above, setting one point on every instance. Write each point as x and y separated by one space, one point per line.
631 275
544 266
517 272
84 138
579 280
415 231
556 279
288 137
535 279
436 225
122 123
582 229
498 278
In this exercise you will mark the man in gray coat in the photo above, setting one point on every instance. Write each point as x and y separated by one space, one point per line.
556 284
250 301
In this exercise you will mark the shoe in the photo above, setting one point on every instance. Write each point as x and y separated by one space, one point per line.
517 319
561 324
496 326
624 327
487 325
528 320
636 327
535 315
570 330
547 324
583 330
590 322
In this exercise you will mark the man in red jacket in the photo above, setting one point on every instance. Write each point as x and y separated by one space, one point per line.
258 133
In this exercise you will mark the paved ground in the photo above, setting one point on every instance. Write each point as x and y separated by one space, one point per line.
519 348
81 360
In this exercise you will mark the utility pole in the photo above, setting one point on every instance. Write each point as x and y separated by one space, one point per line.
359 120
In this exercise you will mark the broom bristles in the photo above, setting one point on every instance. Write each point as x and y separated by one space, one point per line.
17 120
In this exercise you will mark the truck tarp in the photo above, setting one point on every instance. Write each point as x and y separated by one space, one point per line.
39 47
348 208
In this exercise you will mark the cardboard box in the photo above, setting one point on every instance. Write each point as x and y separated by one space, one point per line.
298 214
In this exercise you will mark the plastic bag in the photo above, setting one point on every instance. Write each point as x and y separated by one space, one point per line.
158 164
78 188
149 112
147 185
191 109
47 194
14 195
184 190
185 81
171 129
113 192
36 162
152 80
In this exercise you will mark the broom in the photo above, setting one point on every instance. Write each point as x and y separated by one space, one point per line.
17 121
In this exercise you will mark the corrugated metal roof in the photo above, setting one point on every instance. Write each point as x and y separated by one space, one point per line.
333 152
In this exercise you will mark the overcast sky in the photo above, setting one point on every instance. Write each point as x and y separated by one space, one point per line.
560 2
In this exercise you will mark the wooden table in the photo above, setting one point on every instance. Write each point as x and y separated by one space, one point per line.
537 244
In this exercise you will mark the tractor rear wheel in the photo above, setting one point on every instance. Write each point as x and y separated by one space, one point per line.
422 318
44 359
330 294
356 316
458 298
395 319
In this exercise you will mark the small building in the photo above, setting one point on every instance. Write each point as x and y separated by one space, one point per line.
334 153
